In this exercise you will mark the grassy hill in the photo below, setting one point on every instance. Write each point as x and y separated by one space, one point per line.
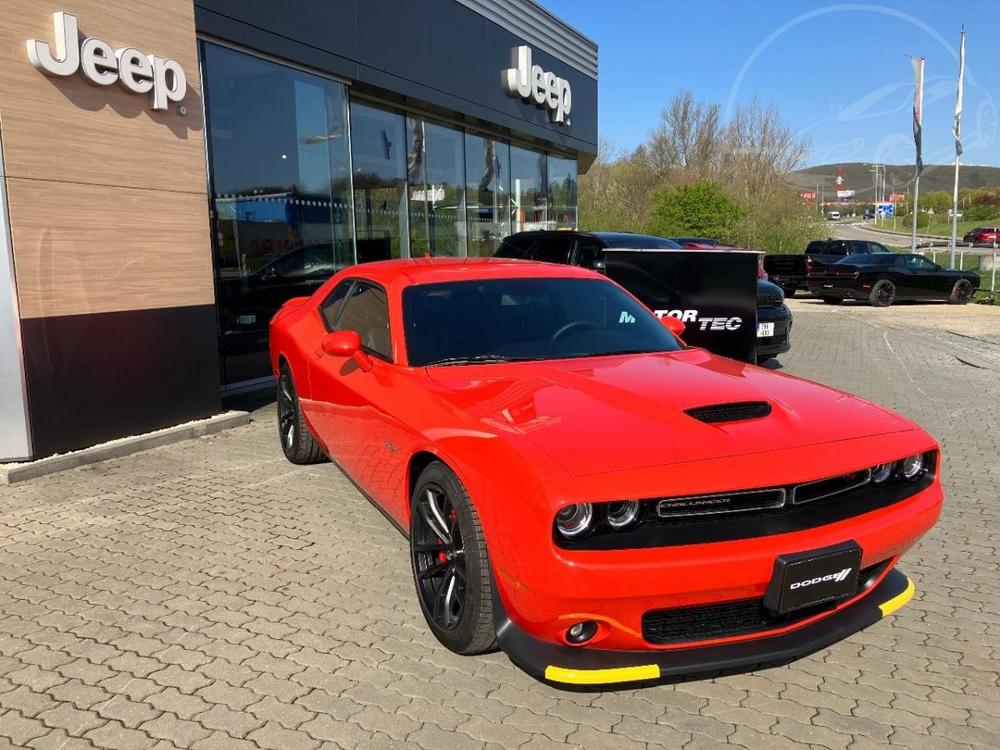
857 176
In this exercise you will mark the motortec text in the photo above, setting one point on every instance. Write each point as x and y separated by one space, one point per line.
839 576
140 73
707 324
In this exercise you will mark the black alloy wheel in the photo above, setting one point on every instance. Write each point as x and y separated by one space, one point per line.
450 564
961 293
297 443
883 293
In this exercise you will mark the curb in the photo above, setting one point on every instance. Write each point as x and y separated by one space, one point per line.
12 473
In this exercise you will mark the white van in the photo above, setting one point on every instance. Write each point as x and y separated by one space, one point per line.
833 215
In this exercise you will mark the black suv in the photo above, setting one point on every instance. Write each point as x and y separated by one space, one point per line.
774 319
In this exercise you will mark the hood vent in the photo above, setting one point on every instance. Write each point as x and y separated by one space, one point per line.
735 412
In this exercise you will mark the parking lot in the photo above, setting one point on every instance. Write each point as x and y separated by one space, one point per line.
209 594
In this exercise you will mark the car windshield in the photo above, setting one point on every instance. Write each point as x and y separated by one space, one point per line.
521 319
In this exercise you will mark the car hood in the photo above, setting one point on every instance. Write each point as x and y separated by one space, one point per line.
604 414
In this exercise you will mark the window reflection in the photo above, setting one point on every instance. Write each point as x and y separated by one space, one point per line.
280 190
378 148
528 189
435 168
487 193
562 180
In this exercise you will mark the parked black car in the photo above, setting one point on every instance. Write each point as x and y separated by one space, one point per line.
774 319
884 278
790 271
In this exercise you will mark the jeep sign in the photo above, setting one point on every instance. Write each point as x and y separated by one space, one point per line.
531 83
140 73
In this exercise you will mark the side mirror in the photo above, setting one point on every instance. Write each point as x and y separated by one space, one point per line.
672 324
600 266
346 344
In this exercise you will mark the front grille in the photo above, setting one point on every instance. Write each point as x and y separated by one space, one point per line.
728 619
744 514
733 412
769 299
824 488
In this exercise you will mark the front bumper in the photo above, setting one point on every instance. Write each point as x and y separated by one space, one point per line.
779 342
581 666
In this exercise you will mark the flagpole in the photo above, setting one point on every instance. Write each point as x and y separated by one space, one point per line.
918 107
957 132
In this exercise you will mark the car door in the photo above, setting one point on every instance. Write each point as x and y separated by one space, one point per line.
929 280
355 413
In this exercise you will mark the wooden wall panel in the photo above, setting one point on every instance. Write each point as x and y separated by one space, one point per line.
108 197
107 249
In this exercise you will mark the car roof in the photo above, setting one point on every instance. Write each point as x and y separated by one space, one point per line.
430 270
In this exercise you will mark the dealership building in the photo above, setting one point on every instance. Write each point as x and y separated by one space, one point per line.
171 172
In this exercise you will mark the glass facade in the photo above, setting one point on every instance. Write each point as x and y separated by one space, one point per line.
378 148
487 193
305 181
280 194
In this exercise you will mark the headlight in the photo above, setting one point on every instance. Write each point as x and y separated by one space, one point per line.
622 514
913 466
882 473
574 520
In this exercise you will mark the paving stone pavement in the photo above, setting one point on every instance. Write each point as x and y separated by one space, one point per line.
210 595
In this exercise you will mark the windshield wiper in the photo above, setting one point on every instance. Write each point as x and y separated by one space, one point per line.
477 359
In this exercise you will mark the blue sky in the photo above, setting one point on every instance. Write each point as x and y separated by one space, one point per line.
838 72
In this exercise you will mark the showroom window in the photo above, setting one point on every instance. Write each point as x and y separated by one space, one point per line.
562 181
436 176
487 193
280 194
378 148
528 189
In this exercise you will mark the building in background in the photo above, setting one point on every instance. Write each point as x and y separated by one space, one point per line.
172 172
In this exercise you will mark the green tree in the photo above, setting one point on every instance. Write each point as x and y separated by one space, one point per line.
701 209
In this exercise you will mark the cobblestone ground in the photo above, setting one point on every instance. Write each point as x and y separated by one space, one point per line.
211 595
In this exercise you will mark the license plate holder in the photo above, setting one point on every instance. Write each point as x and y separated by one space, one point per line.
805 579
765 329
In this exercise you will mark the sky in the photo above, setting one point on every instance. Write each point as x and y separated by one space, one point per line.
837 72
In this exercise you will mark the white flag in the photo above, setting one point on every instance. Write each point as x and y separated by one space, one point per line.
918 108
957 129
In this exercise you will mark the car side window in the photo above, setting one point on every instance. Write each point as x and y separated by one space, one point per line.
514 247
878 248
588 253
858 247
922 264
366 311
330 308
552 249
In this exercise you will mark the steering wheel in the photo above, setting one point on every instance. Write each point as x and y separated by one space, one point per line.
574 325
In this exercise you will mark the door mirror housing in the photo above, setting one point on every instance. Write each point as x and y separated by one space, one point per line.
672 324
346 344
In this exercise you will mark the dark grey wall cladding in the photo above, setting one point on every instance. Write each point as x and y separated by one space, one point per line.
437 54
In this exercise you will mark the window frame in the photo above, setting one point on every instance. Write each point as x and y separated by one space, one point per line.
354 282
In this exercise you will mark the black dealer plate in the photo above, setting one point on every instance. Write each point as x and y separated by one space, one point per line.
806 579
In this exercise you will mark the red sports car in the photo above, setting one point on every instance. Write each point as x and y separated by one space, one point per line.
580 488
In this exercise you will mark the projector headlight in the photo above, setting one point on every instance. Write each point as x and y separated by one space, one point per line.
913 466
574 520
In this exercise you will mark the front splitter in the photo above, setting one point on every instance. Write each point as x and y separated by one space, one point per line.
567 666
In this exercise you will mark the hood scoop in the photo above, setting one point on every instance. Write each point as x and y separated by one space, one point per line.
735 412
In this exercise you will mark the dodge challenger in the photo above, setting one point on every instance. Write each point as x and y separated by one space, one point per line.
584 491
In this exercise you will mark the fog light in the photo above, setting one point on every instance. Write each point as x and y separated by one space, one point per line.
882 473
913 466
582 632
574 520
622 514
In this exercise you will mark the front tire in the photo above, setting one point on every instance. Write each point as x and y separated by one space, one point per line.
961 293
883 293
451 566
789 291
297 443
